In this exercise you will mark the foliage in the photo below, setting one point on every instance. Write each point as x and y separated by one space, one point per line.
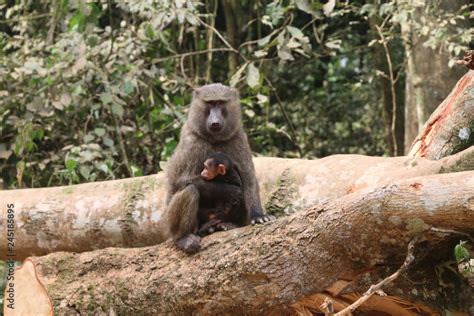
464 261
94 91
461 253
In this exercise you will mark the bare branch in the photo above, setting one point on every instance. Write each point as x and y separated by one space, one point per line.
392 86
378 287
159 60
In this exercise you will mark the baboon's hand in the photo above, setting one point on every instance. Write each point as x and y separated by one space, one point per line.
257 216
209 227
262 218
224 226
189 244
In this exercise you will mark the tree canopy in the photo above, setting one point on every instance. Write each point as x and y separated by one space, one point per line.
99 90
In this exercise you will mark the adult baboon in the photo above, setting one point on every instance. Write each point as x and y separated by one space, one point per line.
214 125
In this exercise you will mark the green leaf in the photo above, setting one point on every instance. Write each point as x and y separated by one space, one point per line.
304 6
264 41
108 142
136 171
87 155
275 11
85 171
149 31
99 131
77 91
295 32
253 76
104 168
71 164
88 138
461 253
106 98
117 109
92 40
128 87
77 22
30 146
38 134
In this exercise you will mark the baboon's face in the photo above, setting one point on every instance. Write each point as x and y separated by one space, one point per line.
216 115
215 112
213 169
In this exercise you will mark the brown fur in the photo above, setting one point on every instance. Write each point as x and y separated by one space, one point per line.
184 204
196 143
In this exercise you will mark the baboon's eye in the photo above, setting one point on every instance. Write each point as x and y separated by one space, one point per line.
224 111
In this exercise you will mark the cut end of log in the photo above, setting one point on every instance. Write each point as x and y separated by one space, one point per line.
435 141
27 296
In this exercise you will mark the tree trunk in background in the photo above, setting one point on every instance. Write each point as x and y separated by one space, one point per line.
212 6
428 77
231 32
384 91
381 64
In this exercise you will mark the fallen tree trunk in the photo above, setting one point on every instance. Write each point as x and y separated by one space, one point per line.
257 269
451 126
128 213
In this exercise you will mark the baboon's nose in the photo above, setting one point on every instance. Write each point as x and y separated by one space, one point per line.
216 126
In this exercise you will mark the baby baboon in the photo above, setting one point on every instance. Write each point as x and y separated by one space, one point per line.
214 125
220 212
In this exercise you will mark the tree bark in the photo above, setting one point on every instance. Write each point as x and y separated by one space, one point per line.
451 127
128 213
231 32
260 269
428 77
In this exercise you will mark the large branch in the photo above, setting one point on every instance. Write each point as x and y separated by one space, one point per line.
128 213
451 126
255 269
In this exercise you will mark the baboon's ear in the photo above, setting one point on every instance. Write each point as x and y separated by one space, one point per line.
221 169
196 92
235 92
